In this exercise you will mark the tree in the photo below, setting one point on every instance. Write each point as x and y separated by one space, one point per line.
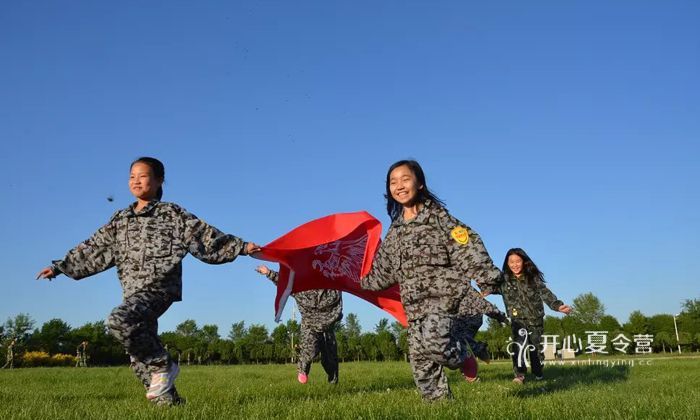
353 332
187 328
401 334
294 336
662 339
19 328
692 308
661 323
255 342
238 331
208 338
496 337
386 344
587 309
382 326
280 339
103 348
553 326
189 341
637 323
54 337
237 335
689 318
368 343
609 323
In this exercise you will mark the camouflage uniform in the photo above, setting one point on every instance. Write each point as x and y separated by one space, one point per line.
81 355
10 356
432 269
147 247
320 310
523 299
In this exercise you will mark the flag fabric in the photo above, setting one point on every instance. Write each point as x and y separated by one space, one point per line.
332 252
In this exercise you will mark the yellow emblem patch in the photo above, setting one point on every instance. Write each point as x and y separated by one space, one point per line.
515 312
460 234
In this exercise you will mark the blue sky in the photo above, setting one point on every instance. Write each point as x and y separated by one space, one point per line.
569 129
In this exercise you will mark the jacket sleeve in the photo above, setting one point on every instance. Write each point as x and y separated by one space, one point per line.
493 288
468 253
92 256
209 244
383 272
547 296
273 276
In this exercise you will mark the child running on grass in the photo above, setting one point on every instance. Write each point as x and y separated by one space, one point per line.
523 289
147 242
432 256
321 310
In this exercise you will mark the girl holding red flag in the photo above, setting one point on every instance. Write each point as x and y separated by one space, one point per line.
147 242
429 254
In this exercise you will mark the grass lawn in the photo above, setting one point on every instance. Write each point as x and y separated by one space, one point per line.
631 387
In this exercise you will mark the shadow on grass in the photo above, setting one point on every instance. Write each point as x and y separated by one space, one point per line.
324 391
561 378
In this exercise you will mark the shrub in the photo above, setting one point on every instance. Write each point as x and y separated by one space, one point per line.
35 358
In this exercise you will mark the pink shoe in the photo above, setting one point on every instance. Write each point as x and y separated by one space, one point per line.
470 369
302 378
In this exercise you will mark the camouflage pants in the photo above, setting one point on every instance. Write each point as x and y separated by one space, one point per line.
315 342
435 341
530 344
134 324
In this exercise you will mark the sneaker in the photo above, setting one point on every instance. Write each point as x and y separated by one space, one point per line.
520 379
470 369
539 378
169 399
162 382
302 378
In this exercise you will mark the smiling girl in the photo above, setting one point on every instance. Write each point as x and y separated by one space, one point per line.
432 256
147 242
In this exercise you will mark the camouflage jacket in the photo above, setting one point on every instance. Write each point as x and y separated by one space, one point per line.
433 257
523 298
148 247
320 308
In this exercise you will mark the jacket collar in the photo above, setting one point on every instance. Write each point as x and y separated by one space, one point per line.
130 211
421 218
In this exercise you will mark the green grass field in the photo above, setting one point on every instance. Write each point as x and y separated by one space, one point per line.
658 388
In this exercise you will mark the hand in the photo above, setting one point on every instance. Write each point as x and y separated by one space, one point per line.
46 273
484 293
565 309
252 248
262 270
500 317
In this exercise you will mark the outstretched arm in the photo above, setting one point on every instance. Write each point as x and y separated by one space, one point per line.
94 255
210 245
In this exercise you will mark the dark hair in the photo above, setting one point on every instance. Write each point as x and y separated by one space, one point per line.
157 168
393 208
529 268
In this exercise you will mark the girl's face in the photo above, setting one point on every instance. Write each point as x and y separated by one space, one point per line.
142 183
515 263
403 185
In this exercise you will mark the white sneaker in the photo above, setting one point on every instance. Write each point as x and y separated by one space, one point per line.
162 382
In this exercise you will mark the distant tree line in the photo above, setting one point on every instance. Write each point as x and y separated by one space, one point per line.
247 344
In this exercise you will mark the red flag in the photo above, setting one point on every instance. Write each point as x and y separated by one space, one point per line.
332 252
